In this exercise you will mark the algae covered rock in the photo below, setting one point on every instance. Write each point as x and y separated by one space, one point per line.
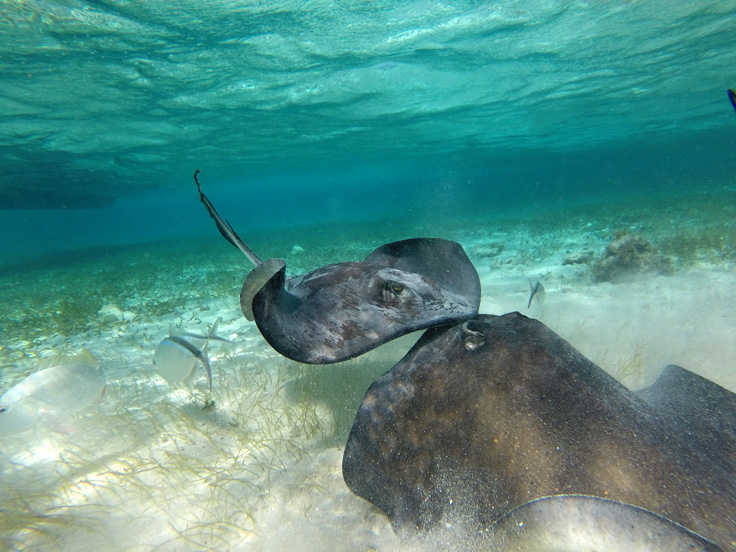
628 255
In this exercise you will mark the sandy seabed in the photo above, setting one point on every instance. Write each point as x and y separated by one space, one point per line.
153 467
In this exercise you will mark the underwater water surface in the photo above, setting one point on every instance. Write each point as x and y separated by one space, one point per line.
534 132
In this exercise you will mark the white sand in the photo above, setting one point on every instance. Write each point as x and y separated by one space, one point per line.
687 318
150 469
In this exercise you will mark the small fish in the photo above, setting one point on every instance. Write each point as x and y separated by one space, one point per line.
732 97
61 388
537 290
176 356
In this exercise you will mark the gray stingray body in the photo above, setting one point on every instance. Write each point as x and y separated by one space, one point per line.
342 310
485 416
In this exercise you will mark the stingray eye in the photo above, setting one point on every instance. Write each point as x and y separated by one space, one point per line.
3 409
392 291
474 338
393 288
396 289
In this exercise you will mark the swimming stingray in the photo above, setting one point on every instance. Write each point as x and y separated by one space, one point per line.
482 421
342 310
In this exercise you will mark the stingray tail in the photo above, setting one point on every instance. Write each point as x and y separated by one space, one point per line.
224 226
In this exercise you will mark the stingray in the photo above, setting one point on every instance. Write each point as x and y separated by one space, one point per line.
485 417
343 310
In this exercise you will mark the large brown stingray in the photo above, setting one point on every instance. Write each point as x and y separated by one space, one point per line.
486 416
342 310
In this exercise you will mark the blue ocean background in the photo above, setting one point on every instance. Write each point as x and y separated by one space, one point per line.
534 132
304 112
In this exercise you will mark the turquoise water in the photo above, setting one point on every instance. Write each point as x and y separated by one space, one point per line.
311 111
530 131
